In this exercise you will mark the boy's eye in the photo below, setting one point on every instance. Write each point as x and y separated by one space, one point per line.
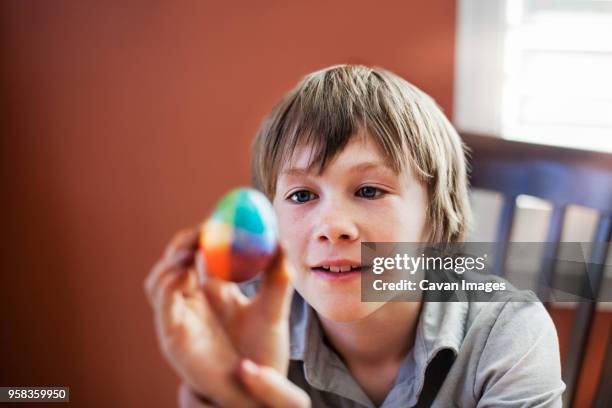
302 196
369 192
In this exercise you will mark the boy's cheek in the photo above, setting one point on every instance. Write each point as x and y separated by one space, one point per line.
291 223
292 237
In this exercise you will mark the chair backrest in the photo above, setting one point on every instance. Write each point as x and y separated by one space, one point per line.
563 177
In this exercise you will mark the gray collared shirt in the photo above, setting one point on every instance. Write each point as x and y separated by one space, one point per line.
504 353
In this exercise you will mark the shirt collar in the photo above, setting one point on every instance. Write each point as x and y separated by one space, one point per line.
323 368
441 326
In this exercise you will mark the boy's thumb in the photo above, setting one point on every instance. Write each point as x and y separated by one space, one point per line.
276 289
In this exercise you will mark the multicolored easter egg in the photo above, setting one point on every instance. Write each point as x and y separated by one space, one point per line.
240 238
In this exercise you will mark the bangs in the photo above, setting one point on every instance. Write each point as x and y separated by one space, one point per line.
323 113
324 130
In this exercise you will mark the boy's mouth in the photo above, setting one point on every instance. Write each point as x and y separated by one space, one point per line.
338 269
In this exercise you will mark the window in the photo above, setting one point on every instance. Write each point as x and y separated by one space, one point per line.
536 70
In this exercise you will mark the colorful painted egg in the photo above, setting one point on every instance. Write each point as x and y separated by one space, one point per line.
240 238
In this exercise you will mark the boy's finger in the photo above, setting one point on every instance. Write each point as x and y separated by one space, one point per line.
179 254
271 388
167 305
188 399
177 289
185 278
275 290
185 239
164 267
223 297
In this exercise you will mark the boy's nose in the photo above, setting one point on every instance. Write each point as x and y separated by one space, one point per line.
336 227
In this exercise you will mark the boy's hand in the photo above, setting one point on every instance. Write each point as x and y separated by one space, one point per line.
265 384
205 331
271 388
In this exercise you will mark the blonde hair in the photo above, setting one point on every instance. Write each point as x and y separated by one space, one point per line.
330 106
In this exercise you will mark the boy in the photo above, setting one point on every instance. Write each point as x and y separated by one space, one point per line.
352 154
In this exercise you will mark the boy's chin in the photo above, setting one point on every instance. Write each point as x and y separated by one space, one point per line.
346 312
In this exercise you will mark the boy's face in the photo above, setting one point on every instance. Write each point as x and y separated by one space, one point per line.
323 220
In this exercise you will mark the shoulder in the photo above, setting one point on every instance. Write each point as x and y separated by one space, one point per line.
518 351
498 310
516 311
508 325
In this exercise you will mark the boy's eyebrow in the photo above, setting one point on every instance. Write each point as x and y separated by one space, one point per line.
369 165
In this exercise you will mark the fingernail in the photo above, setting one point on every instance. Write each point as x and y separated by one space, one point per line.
249 367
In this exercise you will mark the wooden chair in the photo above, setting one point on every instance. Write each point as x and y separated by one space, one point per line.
563 177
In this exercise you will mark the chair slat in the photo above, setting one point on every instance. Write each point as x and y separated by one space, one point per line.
504 231
604 390
553 237
585 311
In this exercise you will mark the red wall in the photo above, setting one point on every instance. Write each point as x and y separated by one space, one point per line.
124 121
